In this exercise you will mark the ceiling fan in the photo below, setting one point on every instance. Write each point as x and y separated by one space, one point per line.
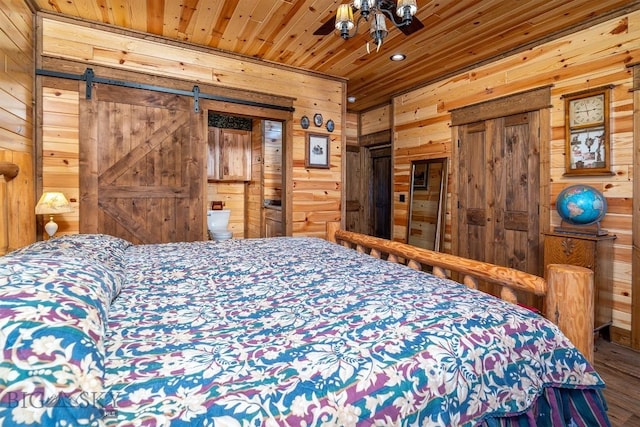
387 7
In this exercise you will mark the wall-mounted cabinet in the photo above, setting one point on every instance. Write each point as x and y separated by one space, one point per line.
229 155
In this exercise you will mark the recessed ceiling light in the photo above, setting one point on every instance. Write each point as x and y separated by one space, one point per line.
351 99
398 57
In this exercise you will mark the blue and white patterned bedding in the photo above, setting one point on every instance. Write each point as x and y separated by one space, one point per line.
299 331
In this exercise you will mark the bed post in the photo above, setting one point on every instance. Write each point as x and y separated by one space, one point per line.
8 171
332 227
569 304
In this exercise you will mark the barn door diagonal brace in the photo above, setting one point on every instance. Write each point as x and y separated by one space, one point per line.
89 77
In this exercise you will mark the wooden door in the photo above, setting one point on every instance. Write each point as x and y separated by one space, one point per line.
229 154
498 191
381 192
355 190
142 166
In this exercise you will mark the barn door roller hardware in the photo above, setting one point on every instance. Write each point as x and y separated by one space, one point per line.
89 77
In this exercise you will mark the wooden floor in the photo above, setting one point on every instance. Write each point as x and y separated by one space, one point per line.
619 367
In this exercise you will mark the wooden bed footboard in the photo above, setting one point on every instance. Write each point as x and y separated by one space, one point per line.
568 289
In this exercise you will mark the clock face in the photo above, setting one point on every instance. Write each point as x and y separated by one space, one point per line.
586 111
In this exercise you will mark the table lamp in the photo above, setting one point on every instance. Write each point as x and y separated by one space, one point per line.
51 203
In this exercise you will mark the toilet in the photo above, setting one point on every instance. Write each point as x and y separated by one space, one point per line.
217 221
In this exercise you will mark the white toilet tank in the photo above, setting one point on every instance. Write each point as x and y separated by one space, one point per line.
217 222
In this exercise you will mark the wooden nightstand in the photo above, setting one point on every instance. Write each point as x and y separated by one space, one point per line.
595 253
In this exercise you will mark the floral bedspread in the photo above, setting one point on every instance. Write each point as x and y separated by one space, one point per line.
298 331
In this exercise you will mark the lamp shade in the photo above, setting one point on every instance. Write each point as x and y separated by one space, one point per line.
406 8
344 17
53 202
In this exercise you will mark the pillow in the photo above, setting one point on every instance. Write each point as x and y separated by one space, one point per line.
53 315
99 248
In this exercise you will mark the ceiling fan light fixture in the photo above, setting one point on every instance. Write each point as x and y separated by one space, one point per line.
406 9
364 6
378 29
344 20
378 10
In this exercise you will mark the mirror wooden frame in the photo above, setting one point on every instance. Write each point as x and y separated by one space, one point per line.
420 179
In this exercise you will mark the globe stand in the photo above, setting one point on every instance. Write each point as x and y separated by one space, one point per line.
590 229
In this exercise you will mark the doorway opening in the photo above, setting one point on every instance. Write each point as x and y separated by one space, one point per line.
380 191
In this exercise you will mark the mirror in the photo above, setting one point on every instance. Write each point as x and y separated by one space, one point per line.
427 203
272 162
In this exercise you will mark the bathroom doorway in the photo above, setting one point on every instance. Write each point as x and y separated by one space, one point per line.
272 178
248 195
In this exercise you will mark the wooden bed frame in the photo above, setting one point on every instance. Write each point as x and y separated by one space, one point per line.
8 171
568 289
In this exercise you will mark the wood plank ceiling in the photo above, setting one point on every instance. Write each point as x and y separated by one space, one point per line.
456 35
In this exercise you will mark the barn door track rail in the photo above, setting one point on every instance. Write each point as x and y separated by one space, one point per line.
89 77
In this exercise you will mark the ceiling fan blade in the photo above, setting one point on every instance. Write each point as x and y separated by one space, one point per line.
326 28
413 27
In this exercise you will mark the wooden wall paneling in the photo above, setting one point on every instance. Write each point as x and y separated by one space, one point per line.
71 47
17 121
351 128
254 188
246 110
592 57
16 91
635 261
376 120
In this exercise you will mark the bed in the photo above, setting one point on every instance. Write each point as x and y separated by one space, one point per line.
289 331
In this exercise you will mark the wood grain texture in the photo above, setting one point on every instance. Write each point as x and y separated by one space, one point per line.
8 171
593 57
314 195
569 304
456 34
504 276
568 289
635 216
619 367
17 218
16 90
18 226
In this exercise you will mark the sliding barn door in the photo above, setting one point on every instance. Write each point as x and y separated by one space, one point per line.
142 168
498 191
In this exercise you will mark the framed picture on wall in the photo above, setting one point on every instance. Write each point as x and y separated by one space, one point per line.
317 151
587 132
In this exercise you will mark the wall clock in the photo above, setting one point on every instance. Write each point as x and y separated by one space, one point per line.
587 111
587 132
317 119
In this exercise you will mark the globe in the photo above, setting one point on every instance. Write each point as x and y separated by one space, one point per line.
581 205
